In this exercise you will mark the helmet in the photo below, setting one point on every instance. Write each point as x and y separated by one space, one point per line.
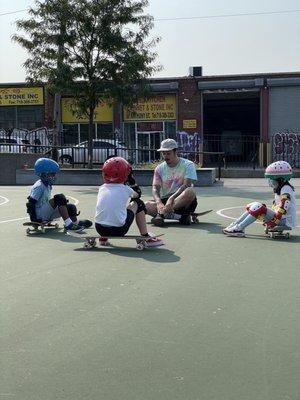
279 169
115 170
43 167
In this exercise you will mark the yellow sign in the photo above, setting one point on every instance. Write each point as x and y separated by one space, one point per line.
157 108
189 123
103 112
24 96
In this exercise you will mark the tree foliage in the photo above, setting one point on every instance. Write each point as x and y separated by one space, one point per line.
96 50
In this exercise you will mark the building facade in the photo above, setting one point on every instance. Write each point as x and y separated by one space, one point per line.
244 116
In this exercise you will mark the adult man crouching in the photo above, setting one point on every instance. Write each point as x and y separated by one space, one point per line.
172 187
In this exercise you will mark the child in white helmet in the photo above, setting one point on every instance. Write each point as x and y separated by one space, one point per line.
41 206
283 211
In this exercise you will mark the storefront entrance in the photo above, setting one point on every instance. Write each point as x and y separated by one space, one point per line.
147 143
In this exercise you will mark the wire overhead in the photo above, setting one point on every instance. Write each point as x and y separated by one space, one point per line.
227 15
197 17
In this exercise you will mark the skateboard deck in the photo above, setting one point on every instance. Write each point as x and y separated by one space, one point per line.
40 226
90 241
278 232
195 215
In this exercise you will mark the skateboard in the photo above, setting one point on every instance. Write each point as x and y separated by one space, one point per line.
278 232
40 226
195 215
91 241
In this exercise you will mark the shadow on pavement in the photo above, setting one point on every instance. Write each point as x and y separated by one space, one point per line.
158 255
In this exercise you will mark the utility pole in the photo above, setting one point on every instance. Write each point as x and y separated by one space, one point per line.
57 96
57 125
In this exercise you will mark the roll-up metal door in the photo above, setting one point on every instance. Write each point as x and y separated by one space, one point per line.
284 124
284 109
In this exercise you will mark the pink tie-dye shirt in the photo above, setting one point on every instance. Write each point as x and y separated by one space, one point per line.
171 178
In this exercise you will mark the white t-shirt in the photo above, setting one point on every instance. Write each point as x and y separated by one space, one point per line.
111 205
291 214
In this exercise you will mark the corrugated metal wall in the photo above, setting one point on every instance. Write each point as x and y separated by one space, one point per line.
284 109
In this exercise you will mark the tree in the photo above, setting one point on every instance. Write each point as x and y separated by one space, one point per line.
96 50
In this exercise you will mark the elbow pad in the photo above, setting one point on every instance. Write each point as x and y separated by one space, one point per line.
284 205
280 209
130 180
137 189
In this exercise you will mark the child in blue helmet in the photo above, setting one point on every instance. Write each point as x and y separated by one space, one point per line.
41 206
283 211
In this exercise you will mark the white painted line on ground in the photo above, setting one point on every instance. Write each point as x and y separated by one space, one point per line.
73 198
5 200
13 220
220 212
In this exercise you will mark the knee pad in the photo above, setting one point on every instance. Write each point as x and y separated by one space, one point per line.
60 200
30 206
257 210
72 210
140 206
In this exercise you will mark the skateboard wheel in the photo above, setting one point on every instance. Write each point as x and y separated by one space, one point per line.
140 246
28 230
89 245
287 235
272 235
92 242
56 226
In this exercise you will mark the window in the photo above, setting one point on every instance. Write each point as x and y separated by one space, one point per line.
103 145
30 117
7 117
6 140
83 132
70 134
170 129
105 131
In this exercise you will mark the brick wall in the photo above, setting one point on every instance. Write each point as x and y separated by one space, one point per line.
189 104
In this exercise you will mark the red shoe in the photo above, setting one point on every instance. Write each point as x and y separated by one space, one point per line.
154 242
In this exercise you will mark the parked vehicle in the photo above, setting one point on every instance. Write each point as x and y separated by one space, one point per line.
14 145
101 150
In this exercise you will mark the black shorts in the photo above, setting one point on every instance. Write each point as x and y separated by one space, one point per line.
116 230
184 210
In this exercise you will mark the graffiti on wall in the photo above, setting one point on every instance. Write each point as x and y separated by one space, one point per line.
286 146
188 143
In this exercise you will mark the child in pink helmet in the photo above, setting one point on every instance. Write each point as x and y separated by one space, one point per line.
118 204
283 211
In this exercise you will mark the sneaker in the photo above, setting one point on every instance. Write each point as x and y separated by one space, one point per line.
74 227
230 225
185 219
154 242
233 231
158 220
172 215
84 223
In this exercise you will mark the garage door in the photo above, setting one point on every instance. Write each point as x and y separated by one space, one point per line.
284 109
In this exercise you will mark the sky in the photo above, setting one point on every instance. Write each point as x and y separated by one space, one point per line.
195 33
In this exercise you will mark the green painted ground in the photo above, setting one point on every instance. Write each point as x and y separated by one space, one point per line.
205 317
